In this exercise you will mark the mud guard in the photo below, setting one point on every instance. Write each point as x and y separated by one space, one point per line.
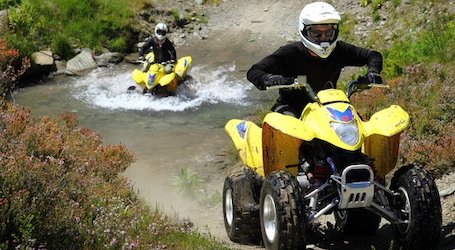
169 82
384 151
382 140
279 150
247 138
182 65
139 77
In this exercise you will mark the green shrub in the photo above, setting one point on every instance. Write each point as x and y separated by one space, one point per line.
95 24
4 4
434 45
61 46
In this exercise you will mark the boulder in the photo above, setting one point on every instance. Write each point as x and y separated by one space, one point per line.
42 63
83 61
107 58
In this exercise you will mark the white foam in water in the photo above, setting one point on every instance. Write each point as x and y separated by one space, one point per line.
106 88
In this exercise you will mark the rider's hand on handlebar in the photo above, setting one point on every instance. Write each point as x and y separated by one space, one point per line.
141 58
374 78
273 80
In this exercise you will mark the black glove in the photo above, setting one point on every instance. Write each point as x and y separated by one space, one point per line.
374 78
273 80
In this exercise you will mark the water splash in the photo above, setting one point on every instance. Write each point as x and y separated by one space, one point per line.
106 88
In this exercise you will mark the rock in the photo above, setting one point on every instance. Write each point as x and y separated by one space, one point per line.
42 63
61 67
43 58
447 192
83 61
108 58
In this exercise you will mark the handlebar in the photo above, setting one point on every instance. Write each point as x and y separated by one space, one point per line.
352 87
357 86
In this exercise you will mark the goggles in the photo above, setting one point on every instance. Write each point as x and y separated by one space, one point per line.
319 34
161 32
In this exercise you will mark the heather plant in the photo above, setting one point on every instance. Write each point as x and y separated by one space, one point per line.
12 66
60 188
426 93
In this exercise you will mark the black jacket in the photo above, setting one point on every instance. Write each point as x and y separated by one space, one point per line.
294 59
163 53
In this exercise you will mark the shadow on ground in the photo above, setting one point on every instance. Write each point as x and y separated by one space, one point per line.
331 239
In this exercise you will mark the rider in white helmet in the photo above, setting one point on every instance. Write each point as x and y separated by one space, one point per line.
161 46
319 55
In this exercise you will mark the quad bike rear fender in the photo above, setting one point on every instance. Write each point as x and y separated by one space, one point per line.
247 138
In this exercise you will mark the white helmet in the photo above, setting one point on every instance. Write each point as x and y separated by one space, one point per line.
161 31
319 13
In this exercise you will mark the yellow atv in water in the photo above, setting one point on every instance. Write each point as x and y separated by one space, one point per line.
327 161
160 79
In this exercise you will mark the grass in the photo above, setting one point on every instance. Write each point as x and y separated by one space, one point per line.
68 24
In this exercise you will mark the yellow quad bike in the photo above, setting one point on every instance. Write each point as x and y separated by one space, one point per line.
328 161
161 79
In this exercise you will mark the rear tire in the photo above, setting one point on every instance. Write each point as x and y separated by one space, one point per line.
241 206
282 213
420 204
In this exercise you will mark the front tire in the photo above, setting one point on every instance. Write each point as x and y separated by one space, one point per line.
418 203
282 213
240 206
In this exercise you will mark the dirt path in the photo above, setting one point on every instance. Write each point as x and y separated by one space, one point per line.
243 32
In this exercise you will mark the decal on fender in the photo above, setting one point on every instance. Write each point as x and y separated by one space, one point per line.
241 128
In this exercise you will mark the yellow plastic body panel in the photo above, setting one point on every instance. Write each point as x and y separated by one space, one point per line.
280 150
331 95
290 126
156 75
276 145
317 118
382 141
182 66
247 138
387 122
139 77
384 151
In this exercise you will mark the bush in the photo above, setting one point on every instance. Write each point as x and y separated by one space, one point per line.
95 24
60 188
12 66
426 93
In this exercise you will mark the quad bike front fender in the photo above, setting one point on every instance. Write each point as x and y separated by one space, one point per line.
382 140
247 138
139 77
182 66
387 122
289 125
280 149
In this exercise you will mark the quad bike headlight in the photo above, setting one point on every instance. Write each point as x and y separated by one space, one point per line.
347 132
